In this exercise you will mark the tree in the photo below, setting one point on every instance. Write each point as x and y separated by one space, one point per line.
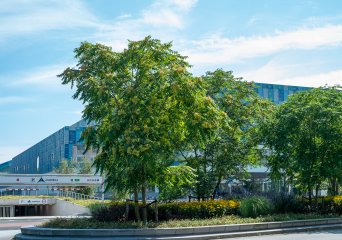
176 182
65 167
142 101
234 146
85 167
304 139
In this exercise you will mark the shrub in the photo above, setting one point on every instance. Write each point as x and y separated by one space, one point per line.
166 211
196 210
255 206
287 204
114 211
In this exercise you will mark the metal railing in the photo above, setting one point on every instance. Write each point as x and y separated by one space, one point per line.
76 195
51 193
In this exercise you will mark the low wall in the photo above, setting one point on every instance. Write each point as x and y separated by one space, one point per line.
206 232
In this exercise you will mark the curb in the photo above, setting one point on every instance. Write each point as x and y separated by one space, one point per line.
196 233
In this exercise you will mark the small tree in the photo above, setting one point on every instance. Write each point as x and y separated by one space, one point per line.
85 167
176 182
65 167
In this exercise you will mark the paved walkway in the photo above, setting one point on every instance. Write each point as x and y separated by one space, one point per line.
322 235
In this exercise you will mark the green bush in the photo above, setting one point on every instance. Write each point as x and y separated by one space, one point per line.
197 210
115 211
255 206
283 203
111 212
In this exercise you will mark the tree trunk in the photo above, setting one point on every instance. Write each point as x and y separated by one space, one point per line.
316 197
333 186
136 205
310 196
336 188
217 187
143 196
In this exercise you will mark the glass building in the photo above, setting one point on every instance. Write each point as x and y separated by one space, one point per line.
277 93
47 155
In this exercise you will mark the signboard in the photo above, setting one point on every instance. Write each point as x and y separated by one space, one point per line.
50 180
32 201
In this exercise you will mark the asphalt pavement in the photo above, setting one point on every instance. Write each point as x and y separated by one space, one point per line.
320 235
9 227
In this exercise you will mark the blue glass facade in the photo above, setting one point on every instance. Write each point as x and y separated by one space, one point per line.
46 155
277 93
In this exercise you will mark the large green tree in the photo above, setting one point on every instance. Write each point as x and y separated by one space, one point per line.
143 102
234 146
304 138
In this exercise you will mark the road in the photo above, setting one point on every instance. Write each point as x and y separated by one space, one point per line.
10 227
321 235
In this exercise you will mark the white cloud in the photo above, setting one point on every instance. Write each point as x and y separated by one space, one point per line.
327 78
292 74
162 19
44 77
167 13
22 17
13 99
217 49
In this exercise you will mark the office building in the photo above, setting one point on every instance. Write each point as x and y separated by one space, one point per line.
47 155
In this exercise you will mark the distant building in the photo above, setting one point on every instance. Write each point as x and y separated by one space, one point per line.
277 93
5 167
47 155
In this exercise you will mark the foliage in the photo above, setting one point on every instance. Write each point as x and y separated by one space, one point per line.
234 145
142 101
176 182
304 138
283 203
86 223
255 206
197 210
85 167
166 211
65 167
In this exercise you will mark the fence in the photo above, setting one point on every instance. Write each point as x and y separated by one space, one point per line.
57 192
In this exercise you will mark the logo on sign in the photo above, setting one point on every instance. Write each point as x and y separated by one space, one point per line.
33 179
41 180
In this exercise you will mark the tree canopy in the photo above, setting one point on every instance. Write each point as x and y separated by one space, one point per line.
304 138
234 146
145 105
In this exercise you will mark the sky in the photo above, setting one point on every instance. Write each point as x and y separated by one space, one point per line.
292 42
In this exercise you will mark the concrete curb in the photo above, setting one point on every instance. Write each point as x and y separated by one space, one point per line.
206 232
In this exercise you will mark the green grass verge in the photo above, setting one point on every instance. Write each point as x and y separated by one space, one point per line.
86 223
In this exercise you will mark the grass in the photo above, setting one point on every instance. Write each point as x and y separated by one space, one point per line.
82 223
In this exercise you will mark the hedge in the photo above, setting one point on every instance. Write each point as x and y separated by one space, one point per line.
115 211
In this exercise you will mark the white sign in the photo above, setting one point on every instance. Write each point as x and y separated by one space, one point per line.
32 201
50 180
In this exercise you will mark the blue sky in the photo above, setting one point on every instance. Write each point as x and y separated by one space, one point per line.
272 41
